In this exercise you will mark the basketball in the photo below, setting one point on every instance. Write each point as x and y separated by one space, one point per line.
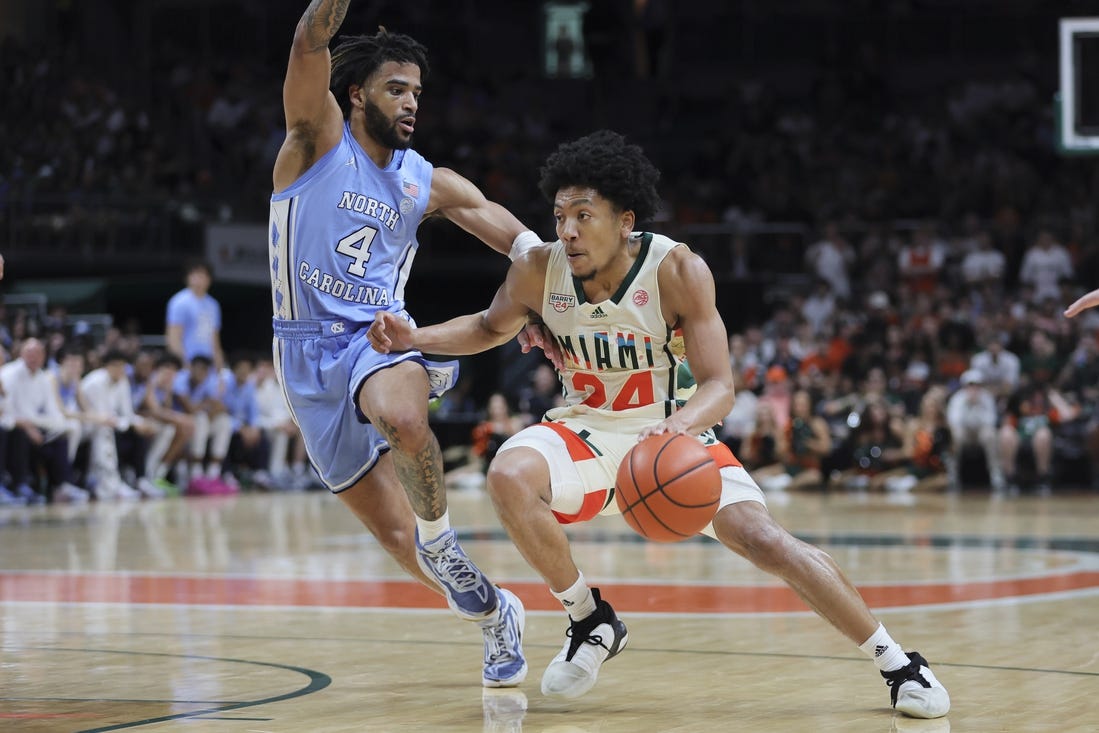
668 487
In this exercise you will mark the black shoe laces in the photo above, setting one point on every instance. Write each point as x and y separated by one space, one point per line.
583 632
908 673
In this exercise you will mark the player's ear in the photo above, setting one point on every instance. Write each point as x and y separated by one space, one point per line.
626 221
357 96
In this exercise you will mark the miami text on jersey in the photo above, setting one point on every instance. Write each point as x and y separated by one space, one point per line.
598 351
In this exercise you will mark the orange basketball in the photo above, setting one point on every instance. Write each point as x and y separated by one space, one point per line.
668 487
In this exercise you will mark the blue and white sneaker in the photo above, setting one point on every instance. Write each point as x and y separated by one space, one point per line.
468 591
505 665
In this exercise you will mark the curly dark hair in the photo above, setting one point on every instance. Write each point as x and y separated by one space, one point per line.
603 160
357 57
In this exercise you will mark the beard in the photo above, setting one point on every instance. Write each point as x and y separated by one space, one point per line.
383 129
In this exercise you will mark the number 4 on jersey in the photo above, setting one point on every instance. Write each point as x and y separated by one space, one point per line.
357 246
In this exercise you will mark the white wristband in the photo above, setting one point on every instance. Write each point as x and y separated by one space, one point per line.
523 242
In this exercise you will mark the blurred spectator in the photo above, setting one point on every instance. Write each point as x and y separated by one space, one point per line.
920 263
287 462
801 449
776 395
249 450
830 259
1045 264
762 447
984 265
926 446
175 427
744 361
1032 412
199 390
116 435
819 307
499 425
542 394
999 367
1041 364
972 416
194 318
876 448
68 371
739 424
39 428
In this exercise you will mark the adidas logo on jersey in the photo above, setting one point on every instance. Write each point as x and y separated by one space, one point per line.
598 312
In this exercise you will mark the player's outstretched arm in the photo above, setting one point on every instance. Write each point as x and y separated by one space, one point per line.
469 334
1090 300
314 121
456 198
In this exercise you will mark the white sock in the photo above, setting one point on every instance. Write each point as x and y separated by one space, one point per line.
161 472
886 653
214 469
431 529
577 599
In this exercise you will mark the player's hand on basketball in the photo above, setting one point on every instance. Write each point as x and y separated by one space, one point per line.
673 424
1089 300
389 333
537 335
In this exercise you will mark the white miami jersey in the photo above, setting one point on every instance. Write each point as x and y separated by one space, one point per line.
619 355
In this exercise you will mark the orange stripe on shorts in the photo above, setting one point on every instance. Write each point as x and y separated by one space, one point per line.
723 457
578 449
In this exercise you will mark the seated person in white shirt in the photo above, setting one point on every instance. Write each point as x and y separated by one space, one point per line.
118 434
39 428
973 416
200 391
68 371
287 464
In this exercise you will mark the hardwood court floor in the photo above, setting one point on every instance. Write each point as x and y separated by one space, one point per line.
274 613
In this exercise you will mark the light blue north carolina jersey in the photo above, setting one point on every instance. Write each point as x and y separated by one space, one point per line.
343 236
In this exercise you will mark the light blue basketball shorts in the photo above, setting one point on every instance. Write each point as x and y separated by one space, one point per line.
321 366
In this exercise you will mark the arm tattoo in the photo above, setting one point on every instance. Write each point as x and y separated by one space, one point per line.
322 19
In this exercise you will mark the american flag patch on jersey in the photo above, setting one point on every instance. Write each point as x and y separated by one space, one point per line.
410 188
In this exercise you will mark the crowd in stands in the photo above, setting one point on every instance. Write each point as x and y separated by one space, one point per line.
925 350
920 359
116 421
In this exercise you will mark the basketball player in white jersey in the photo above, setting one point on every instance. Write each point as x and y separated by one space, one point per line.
349 195
614 299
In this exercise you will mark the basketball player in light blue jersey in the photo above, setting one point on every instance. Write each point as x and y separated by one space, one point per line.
194 318
349 194
605 289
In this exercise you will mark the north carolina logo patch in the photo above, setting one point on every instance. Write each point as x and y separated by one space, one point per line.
560 302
